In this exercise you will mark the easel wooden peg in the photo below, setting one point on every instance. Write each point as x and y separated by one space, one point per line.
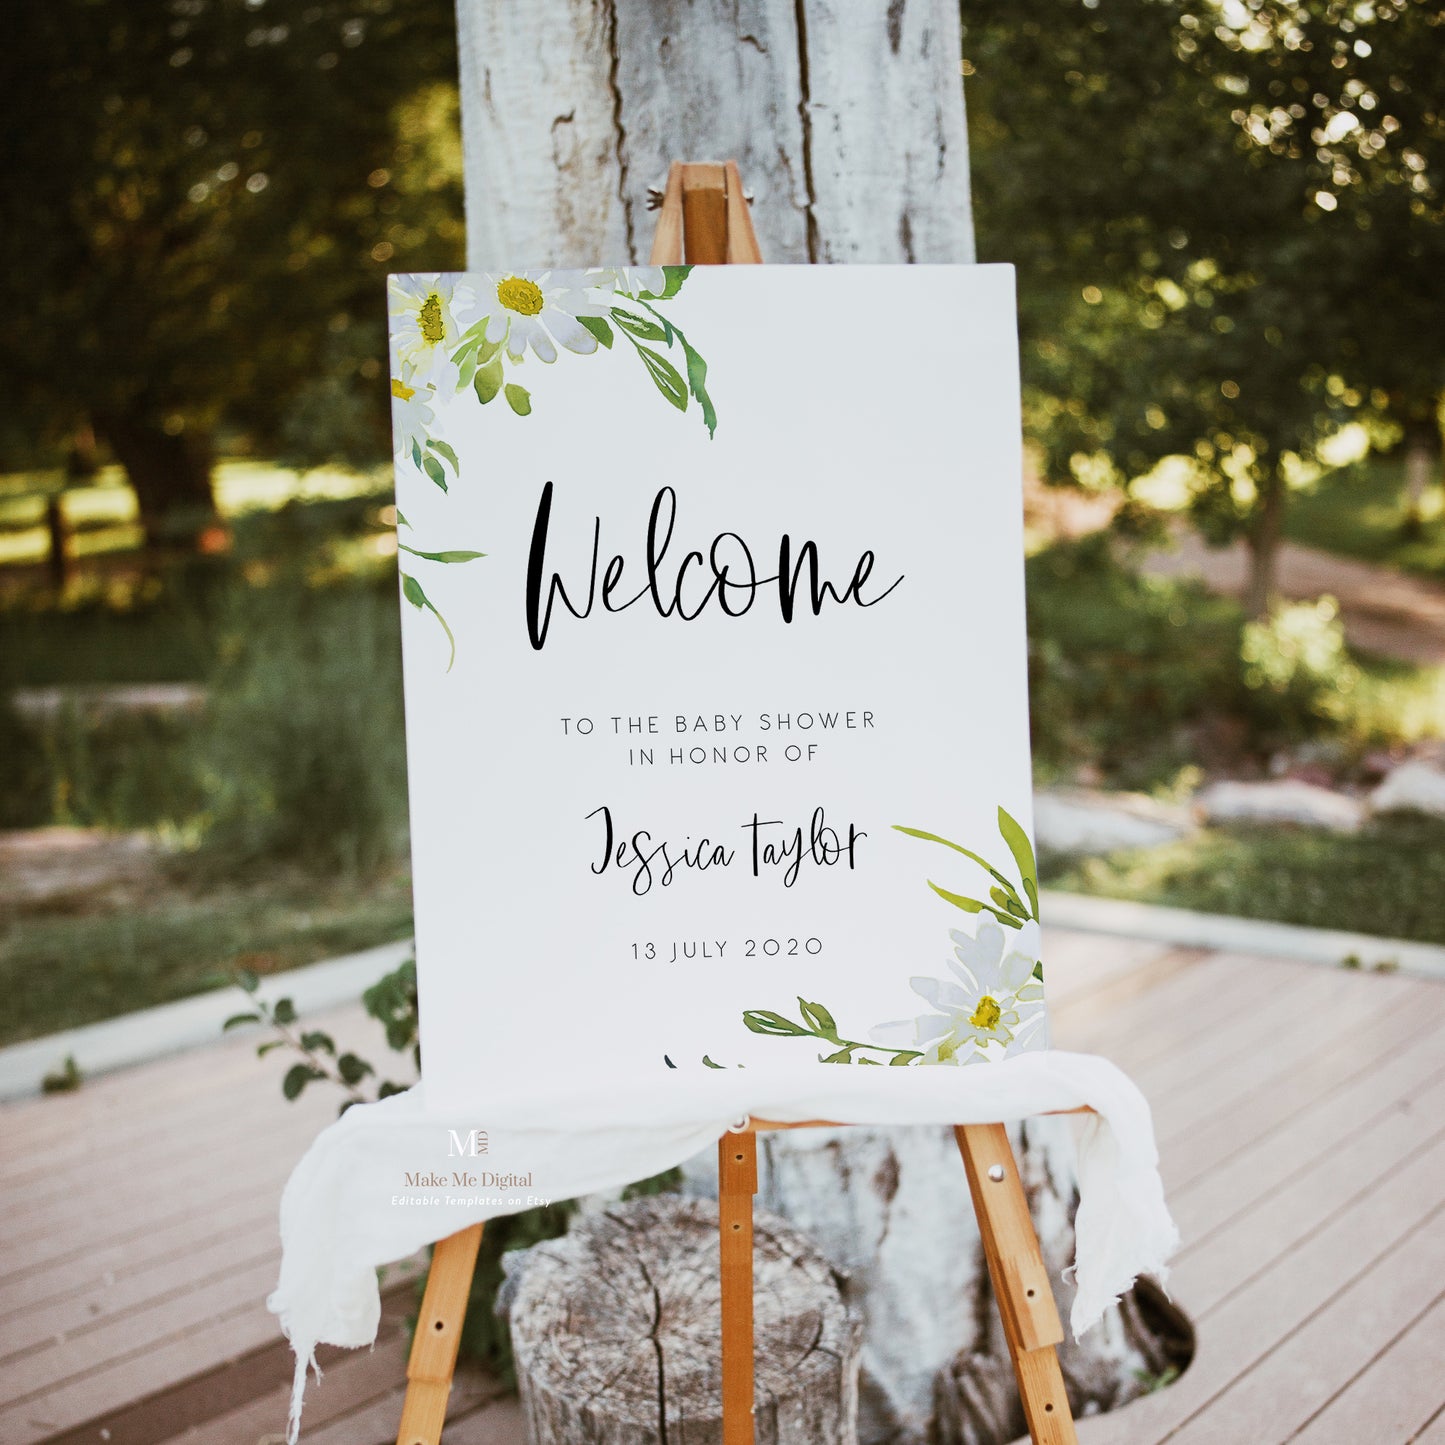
704 220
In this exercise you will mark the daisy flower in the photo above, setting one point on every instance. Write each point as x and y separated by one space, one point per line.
424 327
992 1001
538 309
412 417
629 280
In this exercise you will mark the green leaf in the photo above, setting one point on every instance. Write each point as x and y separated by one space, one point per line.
665 376
765 1021
1009 902
263 1049
416 451
443 450
904 1056
352 1069
707 1061
967 853
435 471
284 1011
638 326
488 380
315 1040
598 326
400 520
454 556
474 344
821 1020
297 1078
411 589
236 1020
874 1062
843 1056
675 275
1023 851
974 905
697 380
519 399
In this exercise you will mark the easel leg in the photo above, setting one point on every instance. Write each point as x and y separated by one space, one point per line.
1020 1281
438 1333
737 1173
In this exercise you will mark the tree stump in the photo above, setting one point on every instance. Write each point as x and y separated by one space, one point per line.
616 1332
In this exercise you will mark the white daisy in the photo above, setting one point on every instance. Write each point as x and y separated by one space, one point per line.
412 417
629 280
993 1005
424 330
538 309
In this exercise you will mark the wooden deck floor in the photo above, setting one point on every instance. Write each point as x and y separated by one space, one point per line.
1301 1116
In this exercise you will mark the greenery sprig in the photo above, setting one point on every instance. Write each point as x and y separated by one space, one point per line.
818 1023
1007 904
391 1001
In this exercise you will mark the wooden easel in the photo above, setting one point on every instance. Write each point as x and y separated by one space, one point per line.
704 219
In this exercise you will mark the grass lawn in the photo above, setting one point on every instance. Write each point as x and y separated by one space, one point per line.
1384 880
1358 511
59 971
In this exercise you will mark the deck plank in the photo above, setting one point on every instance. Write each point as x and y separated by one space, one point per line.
1274 1398
1395 1396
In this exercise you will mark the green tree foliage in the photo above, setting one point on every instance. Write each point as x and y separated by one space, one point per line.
201 201
1199 267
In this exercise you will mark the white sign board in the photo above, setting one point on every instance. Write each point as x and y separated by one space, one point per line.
715 670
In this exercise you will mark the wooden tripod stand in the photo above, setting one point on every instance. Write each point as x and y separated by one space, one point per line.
704 219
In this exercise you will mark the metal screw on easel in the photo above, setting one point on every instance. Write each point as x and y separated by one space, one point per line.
995 1172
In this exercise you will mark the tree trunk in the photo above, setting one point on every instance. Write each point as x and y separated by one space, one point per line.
614 1330
1422 465
1266 533
171 476
848 124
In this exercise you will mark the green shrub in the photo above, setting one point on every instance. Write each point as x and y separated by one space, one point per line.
1125 669
1297 667
303 754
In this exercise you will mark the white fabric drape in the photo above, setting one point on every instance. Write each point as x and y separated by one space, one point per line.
341 1217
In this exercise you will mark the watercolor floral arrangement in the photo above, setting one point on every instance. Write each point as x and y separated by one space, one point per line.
991 1004
467 336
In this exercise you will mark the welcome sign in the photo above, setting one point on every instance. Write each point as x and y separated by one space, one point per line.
715 670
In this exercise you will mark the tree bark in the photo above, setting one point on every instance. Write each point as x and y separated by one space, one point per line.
170 474
847 122
1266 533
615 1329
1422 466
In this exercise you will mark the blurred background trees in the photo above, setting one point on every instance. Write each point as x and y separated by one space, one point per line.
200 201
1228 224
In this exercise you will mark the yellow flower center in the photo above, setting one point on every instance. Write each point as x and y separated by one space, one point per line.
433 328
987 1014
518 294
401 391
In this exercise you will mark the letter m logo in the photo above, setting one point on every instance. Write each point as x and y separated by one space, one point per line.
474 1141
